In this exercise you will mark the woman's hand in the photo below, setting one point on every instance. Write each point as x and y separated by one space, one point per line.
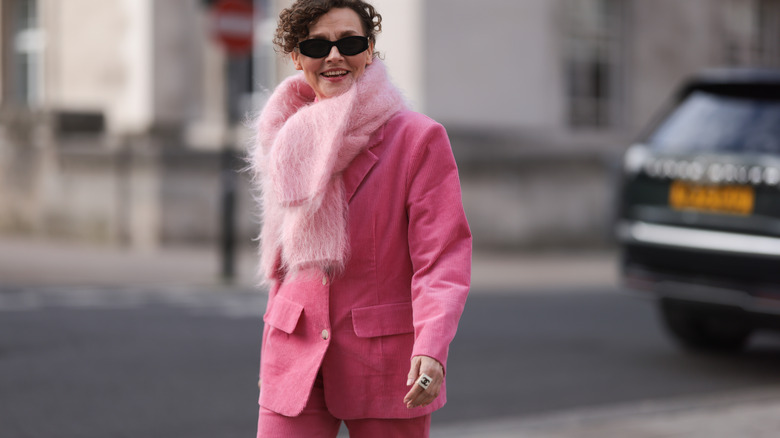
418 396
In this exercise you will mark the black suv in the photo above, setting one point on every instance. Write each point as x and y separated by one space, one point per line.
699 214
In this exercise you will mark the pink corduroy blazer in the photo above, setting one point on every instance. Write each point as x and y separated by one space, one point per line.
402 292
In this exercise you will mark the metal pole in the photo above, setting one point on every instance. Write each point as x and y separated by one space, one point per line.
236 73
228 201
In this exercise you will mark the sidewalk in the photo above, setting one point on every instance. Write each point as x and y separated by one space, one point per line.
40 262
748 414
56 263
742 414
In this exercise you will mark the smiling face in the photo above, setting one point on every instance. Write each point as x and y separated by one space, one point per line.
335 73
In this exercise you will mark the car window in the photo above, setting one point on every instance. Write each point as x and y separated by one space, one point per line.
706 122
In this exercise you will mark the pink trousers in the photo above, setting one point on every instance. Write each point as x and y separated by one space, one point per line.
316 422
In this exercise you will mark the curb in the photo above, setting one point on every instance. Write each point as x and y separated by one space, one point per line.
745 414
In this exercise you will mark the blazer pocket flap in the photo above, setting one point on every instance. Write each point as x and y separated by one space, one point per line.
383 320
283 314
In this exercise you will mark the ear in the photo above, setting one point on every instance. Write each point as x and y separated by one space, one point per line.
296 59
370 53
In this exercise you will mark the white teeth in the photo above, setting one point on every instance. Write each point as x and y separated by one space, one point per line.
334 73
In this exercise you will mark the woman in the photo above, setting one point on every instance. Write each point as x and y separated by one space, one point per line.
364 246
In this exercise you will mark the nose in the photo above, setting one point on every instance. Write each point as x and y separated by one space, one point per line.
334 54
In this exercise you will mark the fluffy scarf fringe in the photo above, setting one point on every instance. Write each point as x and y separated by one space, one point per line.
302 147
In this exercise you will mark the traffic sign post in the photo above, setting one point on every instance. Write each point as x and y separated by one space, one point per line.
232 25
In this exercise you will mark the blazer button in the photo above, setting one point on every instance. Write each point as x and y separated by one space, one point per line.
325 335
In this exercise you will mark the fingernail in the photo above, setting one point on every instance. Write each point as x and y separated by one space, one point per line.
409 382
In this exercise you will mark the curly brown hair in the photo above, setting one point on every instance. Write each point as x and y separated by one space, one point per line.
294 22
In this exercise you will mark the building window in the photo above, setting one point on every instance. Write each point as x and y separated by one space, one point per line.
752 33
26 48
592 61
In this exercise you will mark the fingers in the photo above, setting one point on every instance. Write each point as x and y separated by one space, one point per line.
417 395
414 371
412 398
422 397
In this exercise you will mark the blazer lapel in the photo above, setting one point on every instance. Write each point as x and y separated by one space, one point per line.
357 171
361 166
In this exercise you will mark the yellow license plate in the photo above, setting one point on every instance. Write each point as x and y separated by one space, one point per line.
732 199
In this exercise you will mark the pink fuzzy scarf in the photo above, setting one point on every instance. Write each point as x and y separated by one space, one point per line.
302 148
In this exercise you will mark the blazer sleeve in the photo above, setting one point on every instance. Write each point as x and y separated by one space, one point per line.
439 242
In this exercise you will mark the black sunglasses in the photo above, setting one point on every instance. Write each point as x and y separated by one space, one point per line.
318 48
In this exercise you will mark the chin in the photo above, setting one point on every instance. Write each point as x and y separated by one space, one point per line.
332 90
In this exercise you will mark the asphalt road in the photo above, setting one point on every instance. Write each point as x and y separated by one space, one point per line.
174 363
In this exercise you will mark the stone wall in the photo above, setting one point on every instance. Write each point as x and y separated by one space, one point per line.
141 191
520 195
146 191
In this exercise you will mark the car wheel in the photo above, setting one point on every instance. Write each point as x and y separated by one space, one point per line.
702 330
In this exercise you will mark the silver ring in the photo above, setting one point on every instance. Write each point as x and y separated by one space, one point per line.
424 381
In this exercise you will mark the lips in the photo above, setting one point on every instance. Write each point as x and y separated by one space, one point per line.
334 73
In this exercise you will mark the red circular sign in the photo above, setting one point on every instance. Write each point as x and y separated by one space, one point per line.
233 25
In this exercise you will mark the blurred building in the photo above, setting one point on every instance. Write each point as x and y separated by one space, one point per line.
113 113
112 117
541 97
